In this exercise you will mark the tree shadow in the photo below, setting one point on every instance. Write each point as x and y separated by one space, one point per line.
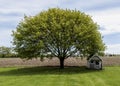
46 70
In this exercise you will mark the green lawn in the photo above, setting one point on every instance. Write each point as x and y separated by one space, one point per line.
53 76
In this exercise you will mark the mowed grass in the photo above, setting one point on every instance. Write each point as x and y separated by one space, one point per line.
53 76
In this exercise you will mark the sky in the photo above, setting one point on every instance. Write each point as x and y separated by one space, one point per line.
106 13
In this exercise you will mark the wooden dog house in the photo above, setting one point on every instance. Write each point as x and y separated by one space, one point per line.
95 62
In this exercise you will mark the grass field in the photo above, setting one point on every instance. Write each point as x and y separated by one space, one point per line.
53 76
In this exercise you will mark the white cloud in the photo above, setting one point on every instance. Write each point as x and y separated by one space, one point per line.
108 19
10 19
88 4
21 7
113 49
5 37
26 6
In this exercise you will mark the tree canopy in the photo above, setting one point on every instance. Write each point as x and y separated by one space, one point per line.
60 32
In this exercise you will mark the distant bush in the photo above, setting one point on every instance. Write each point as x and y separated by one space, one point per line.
7 52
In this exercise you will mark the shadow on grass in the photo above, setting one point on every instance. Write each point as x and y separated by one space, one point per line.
46 70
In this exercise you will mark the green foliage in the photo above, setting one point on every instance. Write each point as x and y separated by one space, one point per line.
6 52
61 32
52 76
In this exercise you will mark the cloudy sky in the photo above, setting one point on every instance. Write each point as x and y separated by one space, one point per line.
105 12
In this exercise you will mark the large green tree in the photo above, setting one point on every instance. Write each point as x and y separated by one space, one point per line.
61 33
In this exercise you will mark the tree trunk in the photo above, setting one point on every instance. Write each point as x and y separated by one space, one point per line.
61 63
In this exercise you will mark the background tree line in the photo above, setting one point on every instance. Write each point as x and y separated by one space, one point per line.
6 52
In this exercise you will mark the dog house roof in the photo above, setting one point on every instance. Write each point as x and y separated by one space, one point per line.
95 58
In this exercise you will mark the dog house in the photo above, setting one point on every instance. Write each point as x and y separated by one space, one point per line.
95 62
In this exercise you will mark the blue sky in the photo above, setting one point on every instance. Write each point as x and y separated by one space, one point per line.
105 12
